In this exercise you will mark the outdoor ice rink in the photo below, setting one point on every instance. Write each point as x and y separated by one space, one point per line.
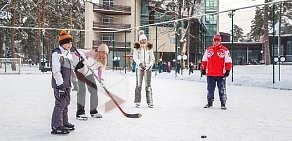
255 113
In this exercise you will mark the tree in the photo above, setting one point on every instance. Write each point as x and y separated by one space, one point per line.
263 22
238 33
34 13
257 23
178 9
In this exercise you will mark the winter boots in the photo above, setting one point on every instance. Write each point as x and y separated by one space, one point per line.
81 117
150 105
223 106
60 130
95 114
138 105
208 106
70 126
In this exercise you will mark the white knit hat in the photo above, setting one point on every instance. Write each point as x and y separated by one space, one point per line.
103 47
141 37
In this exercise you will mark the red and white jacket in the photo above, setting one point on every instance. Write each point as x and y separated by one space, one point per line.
216 61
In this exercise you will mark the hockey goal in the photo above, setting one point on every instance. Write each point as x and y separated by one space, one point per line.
10 65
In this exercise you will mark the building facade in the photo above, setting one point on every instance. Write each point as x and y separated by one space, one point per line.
211 21
117 24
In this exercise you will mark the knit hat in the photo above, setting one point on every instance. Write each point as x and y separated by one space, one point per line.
64 38
217 37
103 47
142 35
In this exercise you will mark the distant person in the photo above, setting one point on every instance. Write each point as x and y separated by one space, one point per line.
159 66
96 59
178 67
169 67
144 57
62 73
30 62
191 68
216 64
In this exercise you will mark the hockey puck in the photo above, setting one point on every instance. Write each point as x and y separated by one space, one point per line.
203 136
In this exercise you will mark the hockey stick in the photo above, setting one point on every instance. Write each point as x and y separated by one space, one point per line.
138 115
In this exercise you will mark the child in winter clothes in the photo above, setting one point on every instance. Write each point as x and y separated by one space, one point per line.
216 64
96 59
62 70
144 58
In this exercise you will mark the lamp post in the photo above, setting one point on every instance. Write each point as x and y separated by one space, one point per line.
113 49
156 63
42 60
273 45
125 52
231 15
279 40
176 45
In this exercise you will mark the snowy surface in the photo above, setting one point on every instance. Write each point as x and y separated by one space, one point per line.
257 109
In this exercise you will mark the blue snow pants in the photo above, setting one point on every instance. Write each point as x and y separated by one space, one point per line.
221 84
60 113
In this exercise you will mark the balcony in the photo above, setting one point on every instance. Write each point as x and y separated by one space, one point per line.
117 44
112 9
110 26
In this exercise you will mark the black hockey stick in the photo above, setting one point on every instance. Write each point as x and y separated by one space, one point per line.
109 93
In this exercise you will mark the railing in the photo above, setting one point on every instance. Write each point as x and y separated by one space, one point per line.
114 8
110 26
96 43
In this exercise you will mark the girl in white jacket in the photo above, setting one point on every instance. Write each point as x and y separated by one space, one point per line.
96 59
144 57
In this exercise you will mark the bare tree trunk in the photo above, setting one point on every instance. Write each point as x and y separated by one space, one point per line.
13 66
37 35
266 36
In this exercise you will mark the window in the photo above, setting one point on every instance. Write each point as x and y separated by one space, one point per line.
108 2
107 20
107 37
289 48
211 4
211 19
144 8
212 30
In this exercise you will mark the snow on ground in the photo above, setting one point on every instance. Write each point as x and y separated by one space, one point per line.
255 111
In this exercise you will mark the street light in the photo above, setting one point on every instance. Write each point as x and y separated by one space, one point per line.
231 15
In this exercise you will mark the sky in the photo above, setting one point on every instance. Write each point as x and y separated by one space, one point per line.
257 109
242 18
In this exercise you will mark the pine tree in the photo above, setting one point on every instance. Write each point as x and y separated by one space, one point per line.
238 33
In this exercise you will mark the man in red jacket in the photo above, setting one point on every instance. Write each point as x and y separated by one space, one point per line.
216 64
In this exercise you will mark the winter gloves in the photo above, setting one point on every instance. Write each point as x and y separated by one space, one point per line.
203 72
227 73
143 67
62 91
79 65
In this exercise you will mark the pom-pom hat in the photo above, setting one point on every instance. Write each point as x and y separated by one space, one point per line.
142 35
64 38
